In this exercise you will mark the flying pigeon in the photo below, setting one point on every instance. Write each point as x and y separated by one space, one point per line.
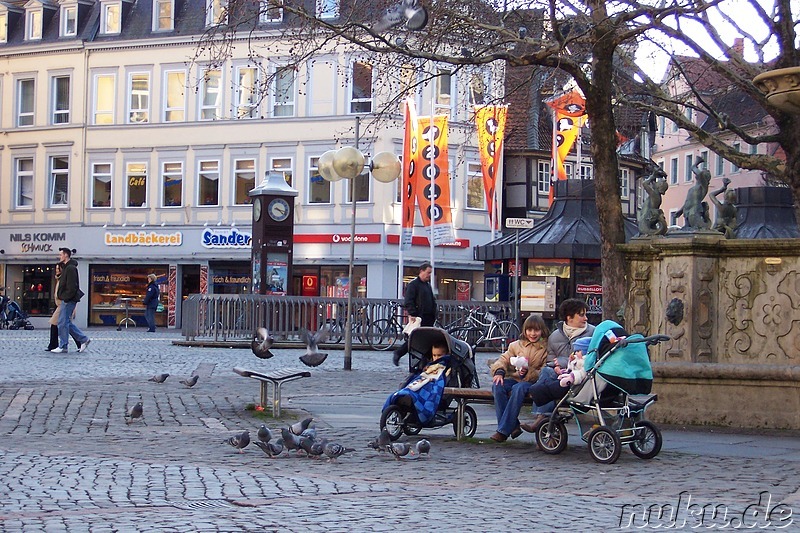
381 442
290 440
424 447
313 357
407 12
262 343
191 382
399 449
333 450
239 441
134 412
159 378
272 449
264 434
299 427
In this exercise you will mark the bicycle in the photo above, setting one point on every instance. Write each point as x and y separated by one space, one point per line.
384 333
360 326
487 328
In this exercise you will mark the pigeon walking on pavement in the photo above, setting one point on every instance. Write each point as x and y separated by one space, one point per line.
136 411
239 441
264 434
272 449
313 357
399 449
423 447
290 440
262 343
333 450
381 442
299 427
191 382
159 378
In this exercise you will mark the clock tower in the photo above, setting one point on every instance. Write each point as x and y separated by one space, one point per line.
273 235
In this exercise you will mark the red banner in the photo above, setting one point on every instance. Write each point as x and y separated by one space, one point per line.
491 122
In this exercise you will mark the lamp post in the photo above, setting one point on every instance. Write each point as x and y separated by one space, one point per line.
348 163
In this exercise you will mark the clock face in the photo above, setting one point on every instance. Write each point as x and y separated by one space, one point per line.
278 209
257 209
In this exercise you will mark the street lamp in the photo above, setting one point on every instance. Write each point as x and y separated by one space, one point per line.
347 163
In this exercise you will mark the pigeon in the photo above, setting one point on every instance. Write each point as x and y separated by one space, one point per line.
264 434
159 378
399 449
310 433
424 447
317 448
407 12
313 357
333 450
381 442
299 427
239 441
262 343
272 449
134 412
305 444
290 440
191 382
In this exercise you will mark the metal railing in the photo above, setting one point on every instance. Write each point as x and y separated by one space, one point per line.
227 317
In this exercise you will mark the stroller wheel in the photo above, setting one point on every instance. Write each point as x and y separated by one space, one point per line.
604 445
411 429
393 421
470 423
648 440
551 439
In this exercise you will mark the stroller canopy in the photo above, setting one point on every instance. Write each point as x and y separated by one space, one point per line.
627 368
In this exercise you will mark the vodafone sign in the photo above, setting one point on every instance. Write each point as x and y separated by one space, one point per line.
337 238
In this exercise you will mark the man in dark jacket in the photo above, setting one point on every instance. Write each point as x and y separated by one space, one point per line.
419 303
70 293
151 302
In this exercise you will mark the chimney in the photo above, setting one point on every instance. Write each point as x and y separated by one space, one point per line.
738 46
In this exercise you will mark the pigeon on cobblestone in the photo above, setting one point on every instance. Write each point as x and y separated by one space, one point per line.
239 441
299 427
264 434
290 440
313 357
272 449
159 378
311 433
262 343
317 448
191 382
134 412
399 449
333 450
381 442
305 444
423 447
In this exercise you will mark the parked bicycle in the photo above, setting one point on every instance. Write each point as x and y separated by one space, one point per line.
359 327
484 328
384 333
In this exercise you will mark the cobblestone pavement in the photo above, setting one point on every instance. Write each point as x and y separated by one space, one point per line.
69 462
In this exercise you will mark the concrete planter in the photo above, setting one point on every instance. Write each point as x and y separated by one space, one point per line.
782 87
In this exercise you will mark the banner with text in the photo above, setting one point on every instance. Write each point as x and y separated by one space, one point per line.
409 176
433 179
490 121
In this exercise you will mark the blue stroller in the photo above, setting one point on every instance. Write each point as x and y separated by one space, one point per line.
412 407
609 404
12 316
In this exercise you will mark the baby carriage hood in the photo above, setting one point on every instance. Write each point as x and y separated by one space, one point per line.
628 368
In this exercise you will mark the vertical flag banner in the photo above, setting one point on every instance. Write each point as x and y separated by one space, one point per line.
570 116
411 148
433 179
490 122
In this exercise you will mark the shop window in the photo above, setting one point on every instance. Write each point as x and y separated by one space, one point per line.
174 96
136 178
231 279
334 282
101 185
319 189
113 288
245 179
59 181
172 176
208 183
475 192
36 290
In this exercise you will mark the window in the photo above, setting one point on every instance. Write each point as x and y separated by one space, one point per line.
60 99
704 157
24 182
543 177
174 96
211 95
104 99
172 180
139 98
687 171
443 93
69 21
284 92
674 126
673 170
247 92
208 183
475 193
662 126
624 182
720 165
361 87
586 172
101 184
361 185
59 181
244 177
753 149
319 189
476 91
216 12
673 217
162 15
327 9
136 178
33 28
688 112
271 11
284 166
25 101
3 27
737 147
110 23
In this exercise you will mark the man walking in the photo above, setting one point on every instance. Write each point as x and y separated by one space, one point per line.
70 293
419 303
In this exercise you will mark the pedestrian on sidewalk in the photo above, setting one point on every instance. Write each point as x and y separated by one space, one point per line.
70 293
54 319
151 299
419 303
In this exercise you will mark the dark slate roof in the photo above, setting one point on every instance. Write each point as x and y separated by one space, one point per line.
765 213
740 108
569 230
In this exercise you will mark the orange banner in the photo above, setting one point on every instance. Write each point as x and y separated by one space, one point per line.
491 123
571 104
433 179
570 115
410 173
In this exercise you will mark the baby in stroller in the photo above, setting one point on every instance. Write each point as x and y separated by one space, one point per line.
12 315
436 361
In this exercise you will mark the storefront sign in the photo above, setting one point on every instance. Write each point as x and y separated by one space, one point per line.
423 241
337 238
230 280
41 242
143 238
589 289
226 238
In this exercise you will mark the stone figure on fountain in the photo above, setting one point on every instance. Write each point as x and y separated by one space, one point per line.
650 217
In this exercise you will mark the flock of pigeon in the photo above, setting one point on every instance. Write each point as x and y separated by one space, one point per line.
401 450
263 341
137 411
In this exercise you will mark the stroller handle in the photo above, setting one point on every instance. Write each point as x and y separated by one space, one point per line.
650 341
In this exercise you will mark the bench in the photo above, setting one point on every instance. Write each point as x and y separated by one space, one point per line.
467 396
276 378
